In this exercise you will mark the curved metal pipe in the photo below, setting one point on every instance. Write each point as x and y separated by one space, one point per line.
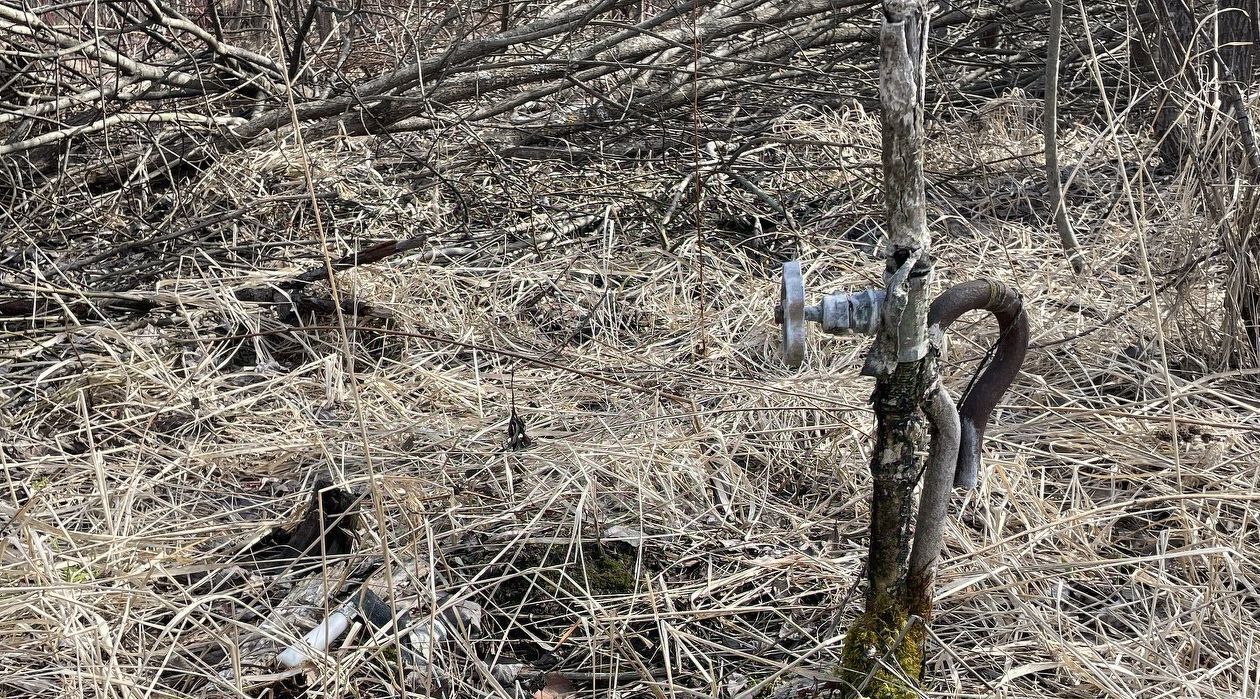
929 529
977 406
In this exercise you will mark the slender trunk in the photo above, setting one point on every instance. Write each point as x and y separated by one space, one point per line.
897 356
1239 38
1170 28
1049 129
904 371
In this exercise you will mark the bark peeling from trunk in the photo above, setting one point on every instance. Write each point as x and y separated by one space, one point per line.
904 370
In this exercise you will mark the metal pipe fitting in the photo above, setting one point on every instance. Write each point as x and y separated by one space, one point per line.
860 312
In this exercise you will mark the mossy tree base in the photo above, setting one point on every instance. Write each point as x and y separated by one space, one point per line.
877 644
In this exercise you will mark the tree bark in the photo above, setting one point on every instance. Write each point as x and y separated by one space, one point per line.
1239 37
1170 28
902 377
889 631
1049 132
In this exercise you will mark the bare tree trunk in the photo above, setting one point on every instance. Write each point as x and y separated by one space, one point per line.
1170 27
1049 132
883 648
1239 38
1239 29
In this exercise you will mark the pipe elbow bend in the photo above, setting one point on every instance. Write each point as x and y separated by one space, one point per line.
976 407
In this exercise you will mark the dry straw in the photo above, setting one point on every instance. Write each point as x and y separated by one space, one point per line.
685 525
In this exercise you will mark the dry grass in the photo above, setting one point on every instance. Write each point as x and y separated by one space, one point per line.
1111 549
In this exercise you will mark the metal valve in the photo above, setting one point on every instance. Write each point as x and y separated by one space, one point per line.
790 314
838 314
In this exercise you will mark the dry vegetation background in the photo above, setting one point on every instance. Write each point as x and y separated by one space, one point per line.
579 210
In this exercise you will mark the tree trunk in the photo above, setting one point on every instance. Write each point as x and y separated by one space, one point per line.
1049 133
1169 27
886 643
1239 37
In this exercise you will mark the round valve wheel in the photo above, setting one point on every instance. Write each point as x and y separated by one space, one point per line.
792 305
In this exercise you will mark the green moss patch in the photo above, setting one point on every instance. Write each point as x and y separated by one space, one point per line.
869 640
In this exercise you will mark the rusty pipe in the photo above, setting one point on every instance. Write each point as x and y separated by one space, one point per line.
942 469
1005 304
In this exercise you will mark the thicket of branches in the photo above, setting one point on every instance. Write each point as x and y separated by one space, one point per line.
124 93
112 105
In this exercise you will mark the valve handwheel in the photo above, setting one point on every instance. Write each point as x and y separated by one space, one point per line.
792 320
